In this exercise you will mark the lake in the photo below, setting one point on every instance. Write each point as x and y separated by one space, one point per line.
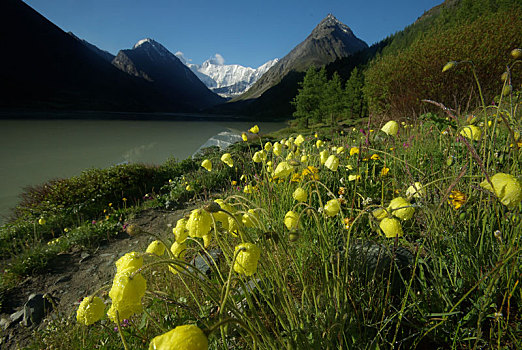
34 151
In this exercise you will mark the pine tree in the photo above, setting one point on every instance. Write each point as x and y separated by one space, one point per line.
309 96
333 102
355 104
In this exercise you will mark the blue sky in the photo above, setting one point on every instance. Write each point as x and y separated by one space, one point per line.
248 32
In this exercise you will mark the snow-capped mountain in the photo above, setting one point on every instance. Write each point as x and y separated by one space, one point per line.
226 80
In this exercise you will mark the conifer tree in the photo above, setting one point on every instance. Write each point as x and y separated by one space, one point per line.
309 96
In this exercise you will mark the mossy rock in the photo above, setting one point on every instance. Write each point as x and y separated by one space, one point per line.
379 263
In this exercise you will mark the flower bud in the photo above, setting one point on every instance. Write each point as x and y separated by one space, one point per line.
516 54
449 65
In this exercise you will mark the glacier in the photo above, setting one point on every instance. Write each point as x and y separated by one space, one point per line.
227 80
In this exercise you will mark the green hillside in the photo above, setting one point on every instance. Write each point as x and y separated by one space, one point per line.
409 68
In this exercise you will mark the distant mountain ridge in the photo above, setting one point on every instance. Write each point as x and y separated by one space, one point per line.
329 41
227 80
150 60
104 54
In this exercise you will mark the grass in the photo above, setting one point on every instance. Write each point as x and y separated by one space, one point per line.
445 275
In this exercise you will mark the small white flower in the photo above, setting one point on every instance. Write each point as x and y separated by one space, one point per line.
367 201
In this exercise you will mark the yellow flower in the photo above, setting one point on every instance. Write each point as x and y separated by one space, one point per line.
259 156
291 221
126 294
311 173
516 54
380 213
247 258
278 148
319 143
206 240
332 207
250 218
178 249
249 189
180 231
91 310
254 129
244 137
407 210
471 132
188 188
132 260
391 128
283 170
220 216
354 177
207 164
187 337
375 156
41 221
332 163
299 140
416 190
300 194
296 177
316 135
384 171
304 158
391 227
199 223
457 199
233 226
227 159
132 230
268 146
348 222
506 187
156 247
323 156
449 65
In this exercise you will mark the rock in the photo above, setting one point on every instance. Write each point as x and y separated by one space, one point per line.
35 308
17 316
84 256
204 262
372 261
62 279
5 323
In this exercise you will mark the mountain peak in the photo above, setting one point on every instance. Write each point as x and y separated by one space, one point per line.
151 45
330 40
329 24
143 42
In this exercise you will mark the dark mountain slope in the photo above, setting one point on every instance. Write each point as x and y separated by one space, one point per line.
153 62
45 68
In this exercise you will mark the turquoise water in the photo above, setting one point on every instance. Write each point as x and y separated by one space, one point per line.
34 151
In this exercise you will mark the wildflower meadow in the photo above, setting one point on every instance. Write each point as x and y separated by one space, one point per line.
389 234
